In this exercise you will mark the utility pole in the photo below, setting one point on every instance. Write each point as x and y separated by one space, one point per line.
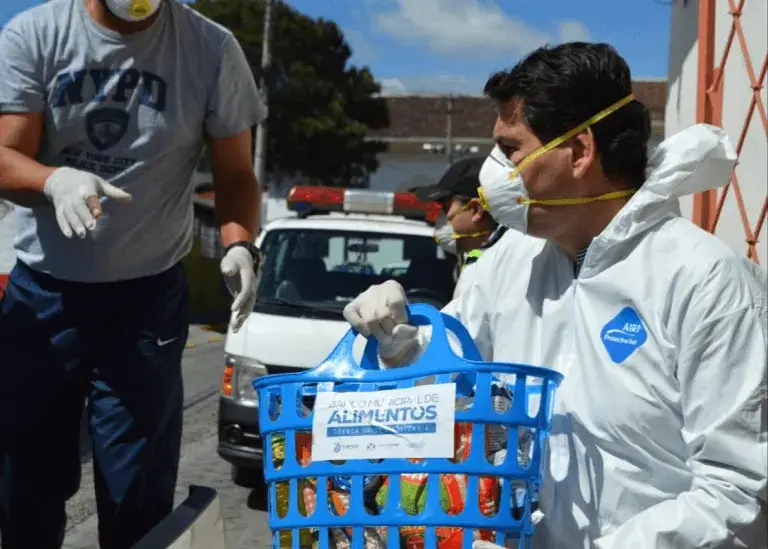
260 153
449 130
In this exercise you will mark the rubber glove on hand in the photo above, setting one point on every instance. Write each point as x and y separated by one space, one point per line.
381 311
240 278
75 196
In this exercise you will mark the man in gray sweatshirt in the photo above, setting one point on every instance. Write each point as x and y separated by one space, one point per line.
105 106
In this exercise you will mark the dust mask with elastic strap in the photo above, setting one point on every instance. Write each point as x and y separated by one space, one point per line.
133 10
503 193
446 236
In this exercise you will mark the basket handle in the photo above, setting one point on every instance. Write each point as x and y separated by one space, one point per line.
422 314
341 362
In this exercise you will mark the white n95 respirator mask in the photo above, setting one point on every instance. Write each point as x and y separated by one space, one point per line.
133 10
503 197
446 236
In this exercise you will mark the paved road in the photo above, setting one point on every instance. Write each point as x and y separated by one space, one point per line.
242 509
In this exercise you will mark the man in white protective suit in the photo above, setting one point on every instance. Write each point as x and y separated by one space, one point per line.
659 433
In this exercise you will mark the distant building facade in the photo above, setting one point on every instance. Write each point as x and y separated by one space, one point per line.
417 137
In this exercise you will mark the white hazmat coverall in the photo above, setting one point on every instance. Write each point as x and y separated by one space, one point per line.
659 433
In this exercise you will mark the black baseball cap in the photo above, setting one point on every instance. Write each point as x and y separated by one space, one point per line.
460 179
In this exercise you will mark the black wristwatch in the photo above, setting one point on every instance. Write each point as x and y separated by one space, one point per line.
252 249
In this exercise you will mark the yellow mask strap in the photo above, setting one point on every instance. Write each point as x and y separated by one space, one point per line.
463 209
581 200
483 198
457 236
556 142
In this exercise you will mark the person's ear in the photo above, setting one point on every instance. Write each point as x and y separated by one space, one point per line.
584 153
475 208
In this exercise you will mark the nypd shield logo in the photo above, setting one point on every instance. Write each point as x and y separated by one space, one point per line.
106 127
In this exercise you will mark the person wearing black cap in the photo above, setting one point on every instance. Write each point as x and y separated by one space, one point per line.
465 228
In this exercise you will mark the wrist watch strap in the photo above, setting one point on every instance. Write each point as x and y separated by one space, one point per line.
252 249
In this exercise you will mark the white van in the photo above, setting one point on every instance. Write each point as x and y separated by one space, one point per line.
341 242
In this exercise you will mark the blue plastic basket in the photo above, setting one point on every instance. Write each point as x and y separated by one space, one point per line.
473 378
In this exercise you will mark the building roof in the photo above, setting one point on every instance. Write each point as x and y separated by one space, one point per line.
424 116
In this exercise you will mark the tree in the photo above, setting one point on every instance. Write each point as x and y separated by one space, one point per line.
321 109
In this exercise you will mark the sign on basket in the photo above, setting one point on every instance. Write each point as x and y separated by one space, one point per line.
416 422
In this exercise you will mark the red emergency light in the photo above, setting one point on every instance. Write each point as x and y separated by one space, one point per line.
305 200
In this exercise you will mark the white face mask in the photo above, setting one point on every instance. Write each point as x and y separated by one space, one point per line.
444 235
133 10
444 239
505 199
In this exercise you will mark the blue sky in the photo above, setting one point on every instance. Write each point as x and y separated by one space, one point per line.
453 45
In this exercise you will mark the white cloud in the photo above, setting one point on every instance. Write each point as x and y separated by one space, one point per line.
573 31
460 28
453 29
362 52
393 86
437 83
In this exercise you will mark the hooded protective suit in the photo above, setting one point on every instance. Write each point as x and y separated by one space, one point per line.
472 257
659 435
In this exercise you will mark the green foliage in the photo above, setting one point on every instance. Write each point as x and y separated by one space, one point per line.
320 107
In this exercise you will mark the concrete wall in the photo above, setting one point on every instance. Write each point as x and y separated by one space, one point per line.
752 170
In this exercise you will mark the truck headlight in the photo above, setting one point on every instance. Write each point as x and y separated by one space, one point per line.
239 374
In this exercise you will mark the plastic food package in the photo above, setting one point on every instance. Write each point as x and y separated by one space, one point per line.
453 497
306 500
453 492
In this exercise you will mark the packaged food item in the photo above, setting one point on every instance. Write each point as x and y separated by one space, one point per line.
305 497
338 491
341 540
413 490
413 537
453 497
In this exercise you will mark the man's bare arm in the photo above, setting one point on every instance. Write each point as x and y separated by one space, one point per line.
237 195
21 177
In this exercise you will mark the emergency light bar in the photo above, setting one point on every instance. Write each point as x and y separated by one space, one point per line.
305 200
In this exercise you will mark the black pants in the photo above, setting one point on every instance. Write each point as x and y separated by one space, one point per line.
117 345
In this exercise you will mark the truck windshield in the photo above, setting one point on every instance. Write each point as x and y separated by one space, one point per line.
316 272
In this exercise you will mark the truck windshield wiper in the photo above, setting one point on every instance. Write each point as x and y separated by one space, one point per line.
294 305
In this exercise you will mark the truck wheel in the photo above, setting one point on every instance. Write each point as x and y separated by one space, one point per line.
247 477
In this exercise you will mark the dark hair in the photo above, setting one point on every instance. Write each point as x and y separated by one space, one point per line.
563 86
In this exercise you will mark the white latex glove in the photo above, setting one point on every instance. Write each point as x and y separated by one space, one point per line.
240 278
76 197
381 311
536 517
